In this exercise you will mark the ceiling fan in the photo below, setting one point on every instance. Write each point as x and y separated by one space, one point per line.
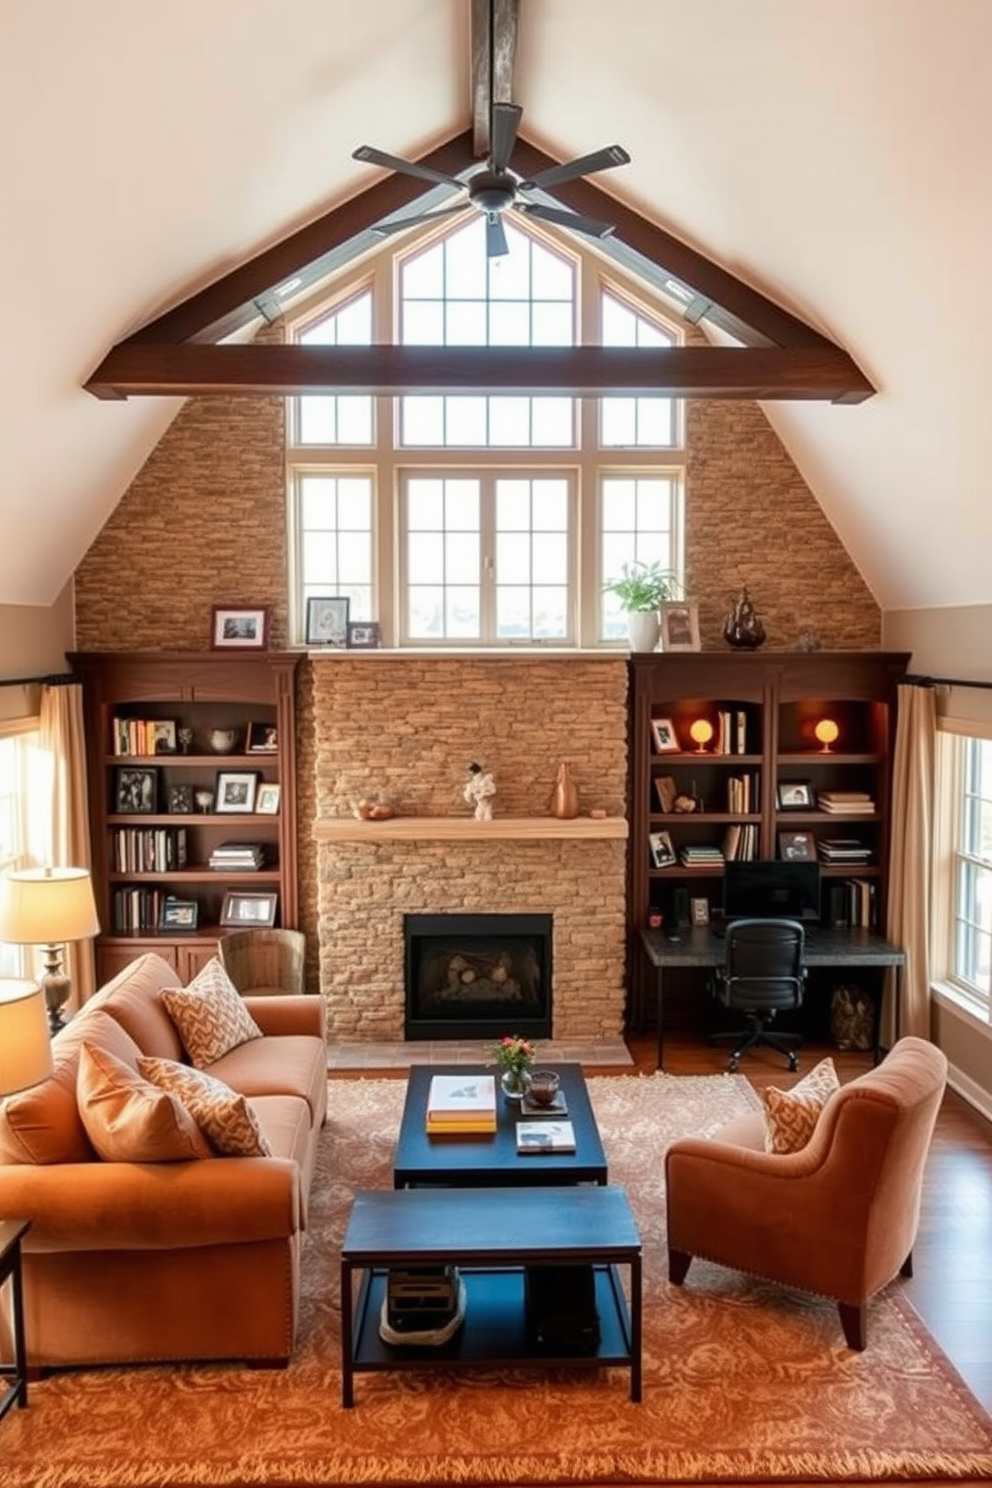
494 189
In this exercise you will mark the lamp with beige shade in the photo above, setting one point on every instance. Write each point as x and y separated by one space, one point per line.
48 907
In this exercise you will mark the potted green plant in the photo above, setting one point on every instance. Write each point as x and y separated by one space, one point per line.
641 589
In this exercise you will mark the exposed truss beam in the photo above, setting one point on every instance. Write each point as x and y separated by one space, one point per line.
689 372
494 45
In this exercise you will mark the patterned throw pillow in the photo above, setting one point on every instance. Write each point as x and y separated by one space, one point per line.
225 1117
791 1115
127 1118
210 1015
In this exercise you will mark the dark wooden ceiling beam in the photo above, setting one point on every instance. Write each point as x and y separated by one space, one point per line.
141 369
493 53
233 302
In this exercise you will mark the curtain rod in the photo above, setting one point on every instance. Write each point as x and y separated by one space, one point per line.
50 679
921 681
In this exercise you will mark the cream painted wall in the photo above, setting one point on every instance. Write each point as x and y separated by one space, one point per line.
954 642
33 642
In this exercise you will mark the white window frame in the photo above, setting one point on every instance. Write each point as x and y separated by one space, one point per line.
587 460
25 810
948 853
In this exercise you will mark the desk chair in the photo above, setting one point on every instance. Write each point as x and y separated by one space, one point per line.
264 960
762 974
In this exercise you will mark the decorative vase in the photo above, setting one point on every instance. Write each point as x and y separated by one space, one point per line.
643 629
223 741
565 801
742 628
513 1082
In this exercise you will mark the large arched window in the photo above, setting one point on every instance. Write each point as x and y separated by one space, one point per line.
475 519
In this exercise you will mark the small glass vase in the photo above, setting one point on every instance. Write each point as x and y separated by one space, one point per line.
513 1082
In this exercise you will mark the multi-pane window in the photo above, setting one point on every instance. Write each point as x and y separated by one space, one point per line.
467 517
972 943
25 808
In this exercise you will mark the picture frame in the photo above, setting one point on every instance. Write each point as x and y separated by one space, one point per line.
327 620
364 635
794 795
666 790
179 800
797 847
680 626
164 736
663 853
178 914
252 909
666 740
699 910
234 791
234 628
135 791
267 799
262 737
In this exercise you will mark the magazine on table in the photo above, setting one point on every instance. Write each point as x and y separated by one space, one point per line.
545 1136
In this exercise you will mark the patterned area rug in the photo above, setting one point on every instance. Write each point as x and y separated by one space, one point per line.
743 1383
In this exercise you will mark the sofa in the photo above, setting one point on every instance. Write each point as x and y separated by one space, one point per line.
190 1259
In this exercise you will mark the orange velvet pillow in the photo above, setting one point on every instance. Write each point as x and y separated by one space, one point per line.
127 1119
791 1115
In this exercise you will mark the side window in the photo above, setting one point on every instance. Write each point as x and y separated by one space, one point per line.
25 802
972 940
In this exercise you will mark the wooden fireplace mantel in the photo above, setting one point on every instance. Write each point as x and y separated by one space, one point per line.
467 829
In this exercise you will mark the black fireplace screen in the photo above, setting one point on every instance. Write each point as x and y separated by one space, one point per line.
478 975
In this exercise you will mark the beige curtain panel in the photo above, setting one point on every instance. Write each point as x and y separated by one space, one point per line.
910 857
61 730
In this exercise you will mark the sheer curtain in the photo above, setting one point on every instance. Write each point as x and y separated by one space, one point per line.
62 737
910 856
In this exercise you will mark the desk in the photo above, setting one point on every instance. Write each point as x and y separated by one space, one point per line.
841 949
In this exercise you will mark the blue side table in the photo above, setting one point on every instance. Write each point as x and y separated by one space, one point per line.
12 1232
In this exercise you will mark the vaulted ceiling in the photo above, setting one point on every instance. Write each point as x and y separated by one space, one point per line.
831 155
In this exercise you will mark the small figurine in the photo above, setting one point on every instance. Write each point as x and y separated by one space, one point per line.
743 630
479 790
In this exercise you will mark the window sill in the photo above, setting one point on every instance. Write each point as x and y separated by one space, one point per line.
957 1001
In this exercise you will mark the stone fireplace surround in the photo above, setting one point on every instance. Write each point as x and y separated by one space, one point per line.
405 728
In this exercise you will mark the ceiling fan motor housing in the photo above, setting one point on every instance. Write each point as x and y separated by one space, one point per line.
492 191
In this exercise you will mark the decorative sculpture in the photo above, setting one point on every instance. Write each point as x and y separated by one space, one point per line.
479 791
742 629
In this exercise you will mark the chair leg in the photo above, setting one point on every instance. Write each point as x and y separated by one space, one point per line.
678 1264
854 1321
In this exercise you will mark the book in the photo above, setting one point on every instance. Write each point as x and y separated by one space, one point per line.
462 1102
545 1136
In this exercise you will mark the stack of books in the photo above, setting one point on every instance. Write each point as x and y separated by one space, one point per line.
461 1103
740 841
701 857
235 857
846 803
843 850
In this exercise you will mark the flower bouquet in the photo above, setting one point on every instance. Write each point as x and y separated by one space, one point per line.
514 1056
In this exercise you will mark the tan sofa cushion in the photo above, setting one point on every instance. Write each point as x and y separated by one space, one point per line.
128 1119
43 1124
223 1115
134 999
279 1064
210 1015
791 1115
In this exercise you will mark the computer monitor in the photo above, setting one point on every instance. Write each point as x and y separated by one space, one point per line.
771 890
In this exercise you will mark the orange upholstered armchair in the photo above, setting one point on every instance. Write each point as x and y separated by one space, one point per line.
838 1217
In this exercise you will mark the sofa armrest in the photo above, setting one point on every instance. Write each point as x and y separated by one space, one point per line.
293 1013
152 1206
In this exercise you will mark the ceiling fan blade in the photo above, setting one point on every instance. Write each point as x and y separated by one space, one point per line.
400 224
574 220
496 244
503 135
586 165
373 156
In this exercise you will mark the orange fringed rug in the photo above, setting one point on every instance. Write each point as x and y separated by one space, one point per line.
743 1383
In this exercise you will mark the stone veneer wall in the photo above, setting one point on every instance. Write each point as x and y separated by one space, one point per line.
406 730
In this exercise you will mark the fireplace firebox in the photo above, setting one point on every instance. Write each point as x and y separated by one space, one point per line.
477 976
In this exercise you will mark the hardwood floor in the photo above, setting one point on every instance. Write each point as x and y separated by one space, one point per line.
951 1287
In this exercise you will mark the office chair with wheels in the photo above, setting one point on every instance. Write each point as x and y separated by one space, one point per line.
762 975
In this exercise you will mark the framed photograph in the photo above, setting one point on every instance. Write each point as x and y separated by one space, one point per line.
795 795
263 738
797 847
364 635
327 621
180 800
249 910
164 736
680 626
267 799
666 740
178 914
240 630
235 791
666 791
700 911
662 851
136 791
